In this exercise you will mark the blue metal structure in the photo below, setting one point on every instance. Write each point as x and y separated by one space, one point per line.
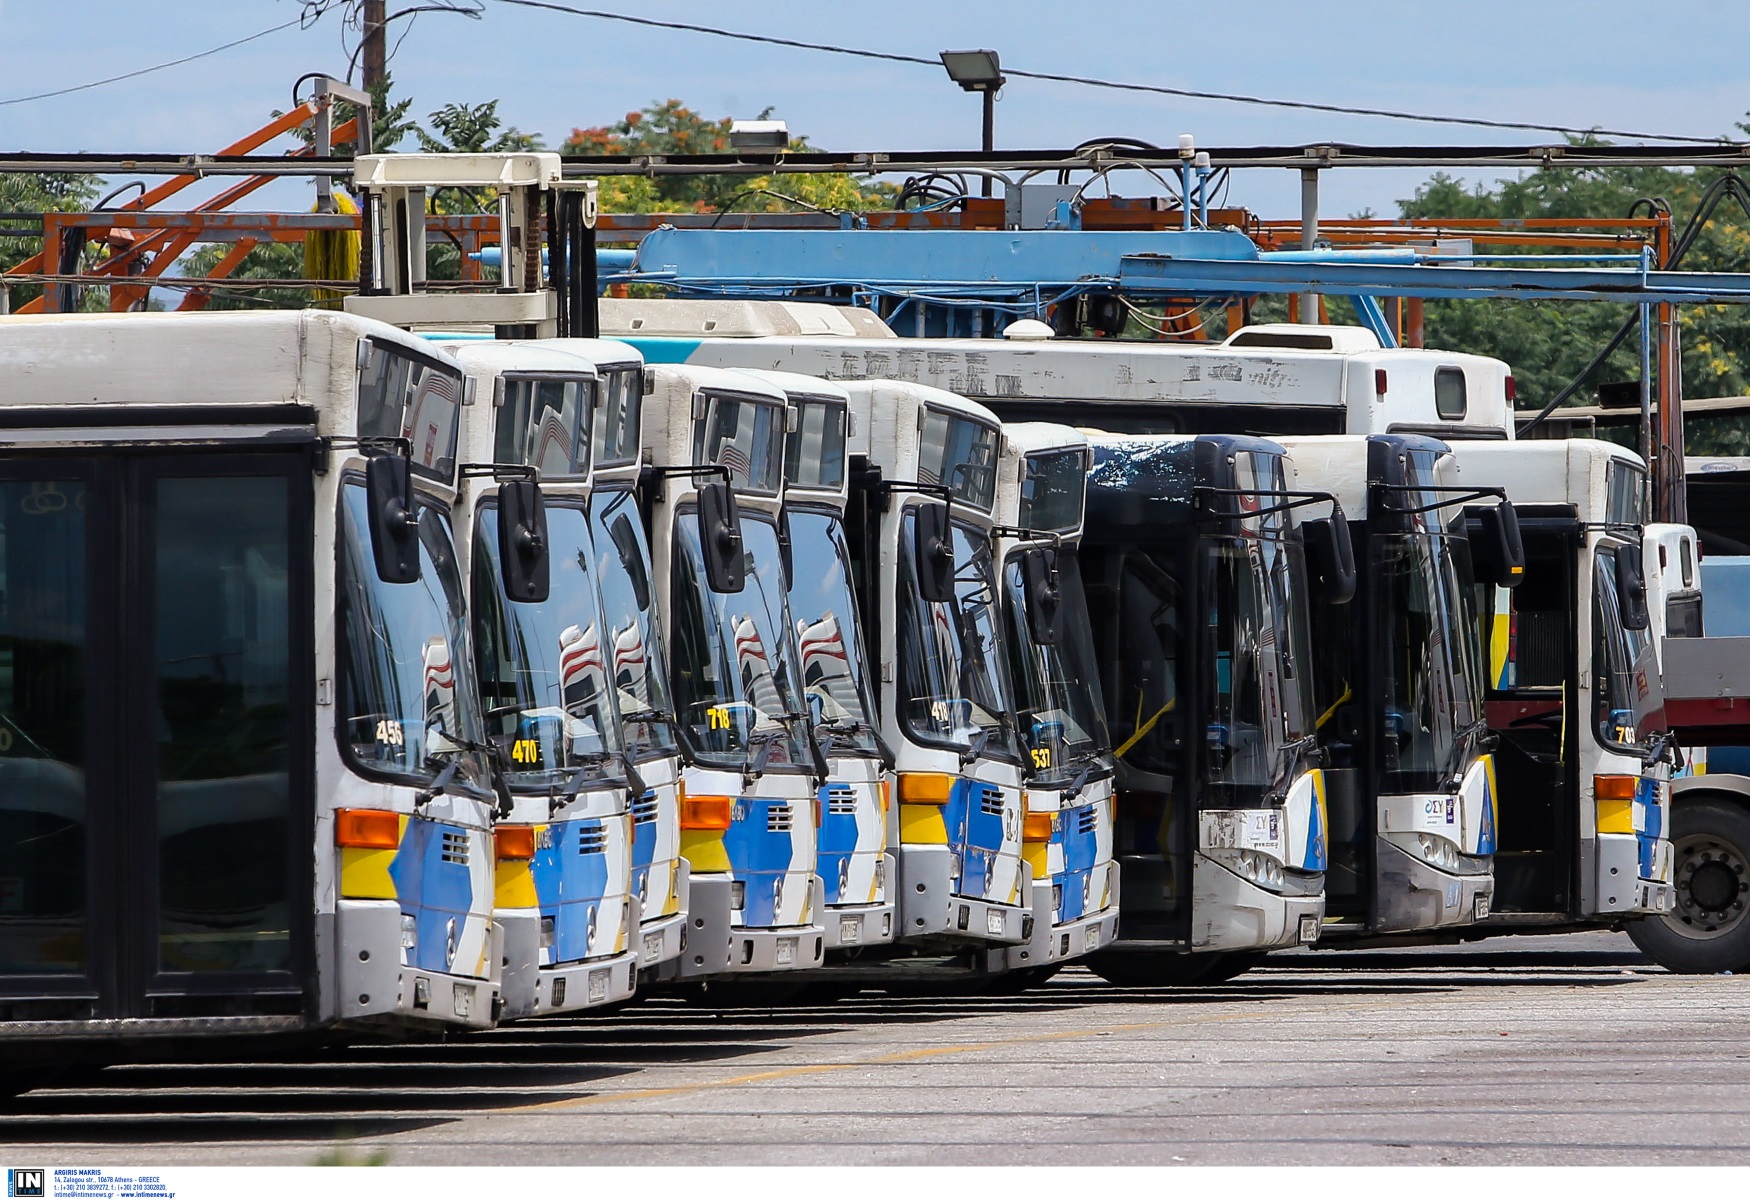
954 282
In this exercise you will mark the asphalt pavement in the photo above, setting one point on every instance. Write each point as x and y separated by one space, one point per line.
1569 1050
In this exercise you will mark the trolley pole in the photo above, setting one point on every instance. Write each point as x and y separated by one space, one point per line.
376 16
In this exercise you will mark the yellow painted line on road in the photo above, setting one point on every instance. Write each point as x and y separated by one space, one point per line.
918 1053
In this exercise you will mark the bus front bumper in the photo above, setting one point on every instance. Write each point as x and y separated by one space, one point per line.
1230 913
373 983
1053 943
929 906
716 946
1416 895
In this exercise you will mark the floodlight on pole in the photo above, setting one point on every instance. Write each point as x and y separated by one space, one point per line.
978 71
764 137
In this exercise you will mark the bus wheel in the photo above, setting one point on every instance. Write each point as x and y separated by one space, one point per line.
1019 980
1236 963
1136 969
1710 864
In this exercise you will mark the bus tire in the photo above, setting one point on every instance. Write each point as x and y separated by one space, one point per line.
1019 980
1709 930
1235 963
1148 969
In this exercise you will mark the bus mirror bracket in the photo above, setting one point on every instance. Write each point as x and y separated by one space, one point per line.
1631 588
719 524
394 517
1044 596
522 542
720 536
1499 551
935 553
1043 588
523 560
1331 555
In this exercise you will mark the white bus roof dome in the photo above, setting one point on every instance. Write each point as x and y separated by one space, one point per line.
1344 339
1028 330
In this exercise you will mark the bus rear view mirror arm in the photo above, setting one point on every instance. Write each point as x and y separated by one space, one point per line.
394 518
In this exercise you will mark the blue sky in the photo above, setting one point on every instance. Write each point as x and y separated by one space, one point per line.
1675 67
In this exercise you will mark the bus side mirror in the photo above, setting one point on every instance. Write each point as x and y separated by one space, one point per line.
935 554
1331 556
720 535
394 519
1498 552
522 542
631 558
1631 588
1044 595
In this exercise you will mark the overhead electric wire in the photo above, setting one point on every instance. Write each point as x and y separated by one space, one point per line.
302 18
1092 82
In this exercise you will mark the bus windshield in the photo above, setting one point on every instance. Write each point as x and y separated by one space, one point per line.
637 663
1259 688
1620 657
543 667
405 709
735 671
1057 689
952 689
828 636
1429 680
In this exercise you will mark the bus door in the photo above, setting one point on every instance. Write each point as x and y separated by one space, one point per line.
1138 606
155 736
1533 654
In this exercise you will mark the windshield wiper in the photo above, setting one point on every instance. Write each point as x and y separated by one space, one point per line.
1081 778
648 715
975 746
452 754
591 769
847 729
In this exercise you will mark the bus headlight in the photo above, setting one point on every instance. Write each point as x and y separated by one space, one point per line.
1261 869
738 895
1438 851
409 932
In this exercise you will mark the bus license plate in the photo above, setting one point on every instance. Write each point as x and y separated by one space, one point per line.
1309 928
1481 907
850 931
652 948
786 952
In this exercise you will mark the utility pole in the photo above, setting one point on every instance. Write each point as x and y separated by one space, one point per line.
376 16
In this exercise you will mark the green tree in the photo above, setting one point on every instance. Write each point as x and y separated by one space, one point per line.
473 129
33 193
672 128
1548 343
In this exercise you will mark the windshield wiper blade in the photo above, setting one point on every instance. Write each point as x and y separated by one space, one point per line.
590 768
975 746
1081 778
642 715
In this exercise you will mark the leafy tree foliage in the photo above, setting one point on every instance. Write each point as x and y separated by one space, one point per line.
672 128
1548 343
27 193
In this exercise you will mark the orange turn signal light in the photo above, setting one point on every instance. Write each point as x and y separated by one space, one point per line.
886 794
375 829
925 787
706 812
1036 827
1615 788
514 842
